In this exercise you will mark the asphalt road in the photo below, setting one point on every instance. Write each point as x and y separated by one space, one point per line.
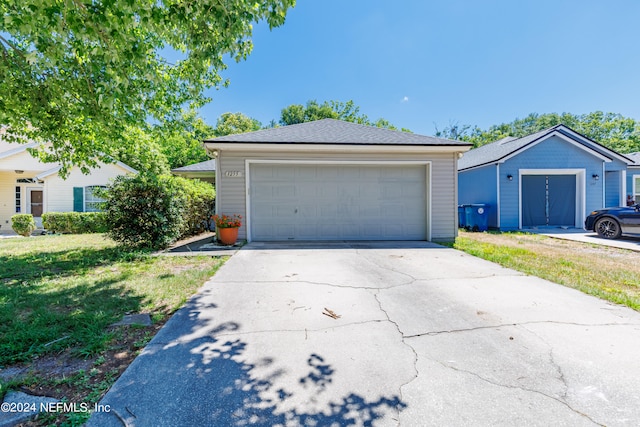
382 334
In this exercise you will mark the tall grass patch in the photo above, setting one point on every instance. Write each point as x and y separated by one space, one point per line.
609 273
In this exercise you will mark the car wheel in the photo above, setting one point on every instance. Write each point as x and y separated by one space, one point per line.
608 228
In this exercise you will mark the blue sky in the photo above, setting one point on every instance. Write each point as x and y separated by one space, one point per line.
426 63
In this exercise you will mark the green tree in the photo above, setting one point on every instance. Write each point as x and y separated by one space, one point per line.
297 113
181 140
347 111
612 130
233 123
80 73
142 152
454 131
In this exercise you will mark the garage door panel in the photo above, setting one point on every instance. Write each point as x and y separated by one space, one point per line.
345 202
327 173
286 173
329 190
306 174
328 210
392 190
284 191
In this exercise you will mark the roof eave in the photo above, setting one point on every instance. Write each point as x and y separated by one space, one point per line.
179 172
315 147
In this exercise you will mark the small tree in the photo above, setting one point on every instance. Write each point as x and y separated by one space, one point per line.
145 211
23 224
198 209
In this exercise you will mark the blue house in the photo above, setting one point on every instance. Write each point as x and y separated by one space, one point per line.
633 177
552 178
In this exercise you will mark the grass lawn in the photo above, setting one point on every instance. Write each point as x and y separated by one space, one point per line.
58 296
609 273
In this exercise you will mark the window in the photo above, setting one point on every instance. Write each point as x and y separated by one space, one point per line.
636 188
18 199
92 203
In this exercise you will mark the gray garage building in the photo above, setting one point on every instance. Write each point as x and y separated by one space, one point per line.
335 180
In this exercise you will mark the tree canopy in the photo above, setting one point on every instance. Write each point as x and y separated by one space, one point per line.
612 130
180 140
81 73
347 111
232 123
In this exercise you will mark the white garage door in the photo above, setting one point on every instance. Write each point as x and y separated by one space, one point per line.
338 202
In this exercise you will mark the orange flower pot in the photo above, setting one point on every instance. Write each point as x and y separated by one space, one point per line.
228 235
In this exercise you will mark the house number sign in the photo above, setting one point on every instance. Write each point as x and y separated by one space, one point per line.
233 174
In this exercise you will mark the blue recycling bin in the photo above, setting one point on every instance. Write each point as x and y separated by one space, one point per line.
476 217
461 217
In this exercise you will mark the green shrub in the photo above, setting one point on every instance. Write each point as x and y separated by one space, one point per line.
145 211
149 211
201 197
23 224
75 222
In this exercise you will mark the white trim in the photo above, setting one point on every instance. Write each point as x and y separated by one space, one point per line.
218 177
428 185
484 165
28 191
18 150
561 136
623 187
604 186
428 198
56 169
84 196
581 191
48 173
498 195
455 192
634 187
335 148
125 167
247 195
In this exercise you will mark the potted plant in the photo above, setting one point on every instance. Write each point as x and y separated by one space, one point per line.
227 228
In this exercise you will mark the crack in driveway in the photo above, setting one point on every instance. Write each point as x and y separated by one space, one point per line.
502 325
553 361
515 387
413 350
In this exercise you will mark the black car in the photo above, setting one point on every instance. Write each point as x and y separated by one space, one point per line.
611 223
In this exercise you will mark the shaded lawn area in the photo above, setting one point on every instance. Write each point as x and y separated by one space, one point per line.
61 292
608 273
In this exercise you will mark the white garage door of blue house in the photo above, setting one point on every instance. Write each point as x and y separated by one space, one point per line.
548 200
338 201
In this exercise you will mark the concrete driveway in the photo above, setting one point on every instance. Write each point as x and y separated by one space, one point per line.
631 242
425 336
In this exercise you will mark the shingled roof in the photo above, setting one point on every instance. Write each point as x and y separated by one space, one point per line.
206 166
331 131
635 157
496 151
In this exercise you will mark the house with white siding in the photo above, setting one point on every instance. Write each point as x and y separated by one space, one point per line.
552 178
335 180
32 187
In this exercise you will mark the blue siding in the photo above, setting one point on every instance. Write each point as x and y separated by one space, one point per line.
614 165
479 186
612 189
553 153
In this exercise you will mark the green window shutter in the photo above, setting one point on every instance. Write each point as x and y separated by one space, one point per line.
78 199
